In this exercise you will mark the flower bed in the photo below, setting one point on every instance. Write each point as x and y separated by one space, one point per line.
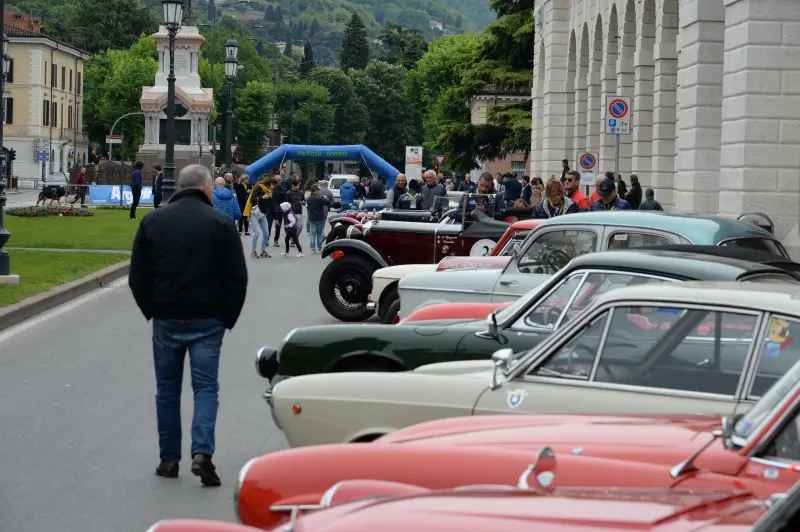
41 211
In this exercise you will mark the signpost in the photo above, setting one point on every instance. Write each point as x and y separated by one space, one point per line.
618 121
413 169
234 147
113 139
587 163
440 159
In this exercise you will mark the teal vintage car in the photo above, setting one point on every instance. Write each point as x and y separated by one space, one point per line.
375 347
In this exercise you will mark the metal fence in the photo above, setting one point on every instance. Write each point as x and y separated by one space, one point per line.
93 195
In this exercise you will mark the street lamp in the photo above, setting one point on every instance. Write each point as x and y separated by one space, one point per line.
5 259
231 67
173 16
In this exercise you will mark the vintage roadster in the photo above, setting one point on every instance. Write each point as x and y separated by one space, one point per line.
398 237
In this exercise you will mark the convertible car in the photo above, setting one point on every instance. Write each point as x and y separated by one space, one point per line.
529 320
557 240
656 348
756 451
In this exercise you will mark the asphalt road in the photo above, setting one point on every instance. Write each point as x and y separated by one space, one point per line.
21 198
78 441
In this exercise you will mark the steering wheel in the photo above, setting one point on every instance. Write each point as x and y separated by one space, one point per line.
592 353
556 259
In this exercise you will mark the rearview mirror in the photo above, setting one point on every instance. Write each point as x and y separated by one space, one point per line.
543 471
491 321
501 359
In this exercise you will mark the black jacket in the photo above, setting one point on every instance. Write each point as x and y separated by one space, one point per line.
634 196
279 195
188 262
316 207
543 211
296 198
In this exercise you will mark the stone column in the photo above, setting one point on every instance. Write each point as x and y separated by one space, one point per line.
608 85
760 161
625 87
642 150
537 108
580 129
554 123
665 84
702 31
593 92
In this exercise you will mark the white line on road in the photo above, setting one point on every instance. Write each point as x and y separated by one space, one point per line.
52 313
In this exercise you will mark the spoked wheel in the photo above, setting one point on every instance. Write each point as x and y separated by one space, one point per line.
390 315
344 286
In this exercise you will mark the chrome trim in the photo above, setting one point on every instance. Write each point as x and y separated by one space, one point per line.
156 525
268 394
601 346
239 481
771 463
371 306
302 507
327 497
612 229
449 290
790 412
753 358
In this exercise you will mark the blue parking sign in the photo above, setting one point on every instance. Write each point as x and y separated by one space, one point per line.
612 122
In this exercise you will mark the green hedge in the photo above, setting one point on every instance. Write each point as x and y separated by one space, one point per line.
41 211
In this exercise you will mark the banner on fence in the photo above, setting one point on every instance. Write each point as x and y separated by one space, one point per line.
117 195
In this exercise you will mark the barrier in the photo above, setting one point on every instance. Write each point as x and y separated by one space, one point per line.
117 195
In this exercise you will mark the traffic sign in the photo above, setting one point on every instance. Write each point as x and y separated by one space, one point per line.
587 161
234 147
440 158
113 139
618 115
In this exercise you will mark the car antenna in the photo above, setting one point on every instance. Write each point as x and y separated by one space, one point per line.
687 466
292 524
543 470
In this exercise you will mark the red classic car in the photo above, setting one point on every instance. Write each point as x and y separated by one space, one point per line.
758 451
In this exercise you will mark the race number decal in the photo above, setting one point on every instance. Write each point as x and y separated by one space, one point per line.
482 248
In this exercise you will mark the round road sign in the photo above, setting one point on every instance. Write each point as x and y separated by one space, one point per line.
587 161
618 108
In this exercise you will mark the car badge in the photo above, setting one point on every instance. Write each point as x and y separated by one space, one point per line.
577 450
515 398
771 473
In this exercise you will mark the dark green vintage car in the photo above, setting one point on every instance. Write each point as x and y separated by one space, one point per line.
374 347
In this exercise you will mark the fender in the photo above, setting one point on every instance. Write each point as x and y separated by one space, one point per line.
354 247
389 357
345 220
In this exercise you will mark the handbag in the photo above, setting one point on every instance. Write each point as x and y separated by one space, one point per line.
255 213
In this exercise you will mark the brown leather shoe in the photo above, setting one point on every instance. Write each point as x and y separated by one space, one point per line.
167 470
203 467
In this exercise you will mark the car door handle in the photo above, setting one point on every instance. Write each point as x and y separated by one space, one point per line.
508 283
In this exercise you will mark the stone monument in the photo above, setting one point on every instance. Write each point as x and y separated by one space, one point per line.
193 104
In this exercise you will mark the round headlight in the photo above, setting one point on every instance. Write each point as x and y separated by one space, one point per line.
354 232
239 482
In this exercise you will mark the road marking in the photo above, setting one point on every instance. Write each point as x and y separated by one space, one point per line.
66 307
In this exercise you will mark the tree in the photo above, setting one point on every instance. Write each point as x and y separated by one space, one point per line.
308 64
269 14
402 46
254 116
121 24
351 117
315 29
305 112
355 45
392 120
287 51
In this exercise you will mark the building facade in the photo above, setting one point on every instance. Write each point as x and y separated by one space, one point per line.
44 105
716 99
479 106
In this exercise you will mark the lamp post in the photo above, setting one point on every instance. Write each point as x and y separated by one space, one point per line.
231 66
5 259
173 16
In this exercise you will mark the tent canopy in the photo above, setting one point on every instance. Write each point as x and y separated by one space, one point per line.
298 152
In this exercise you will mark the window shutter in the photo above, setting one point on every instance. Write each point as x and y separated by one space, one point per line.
9 110
10 75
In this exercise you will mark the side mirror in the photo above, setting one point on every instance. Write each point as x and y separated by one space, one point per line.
543 471
491 321
500 359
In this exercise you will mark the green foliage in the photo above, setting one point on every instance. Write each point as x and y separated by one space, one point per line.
50 210
308 63
393 122
305 112
355 45
351 117
254 116
402 46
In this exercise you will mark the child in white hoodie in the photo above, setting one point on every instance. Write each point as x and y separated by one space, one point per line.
290 227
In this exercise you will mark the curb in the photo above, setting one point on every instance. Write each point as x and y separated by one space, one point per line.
27 308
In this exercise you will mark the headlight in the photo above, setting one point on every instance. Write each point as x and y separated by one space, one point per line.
354 232
267 362
239 482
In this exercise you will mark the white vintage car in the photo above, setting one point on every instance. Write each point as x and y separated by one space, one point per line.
649 349
557 240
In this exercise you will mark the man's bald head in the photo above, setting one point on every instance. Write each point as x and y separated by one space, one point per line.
219 182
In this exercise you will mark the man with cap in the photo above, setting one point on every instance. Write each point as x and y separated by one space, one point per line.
609 201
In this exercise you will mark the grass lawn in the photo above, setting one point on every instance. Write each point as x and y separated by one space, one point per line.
41 270
107 229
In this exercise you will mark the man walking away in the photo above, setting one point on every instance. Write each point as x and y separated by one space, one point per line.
136 187
513 189
564 170
188 275
650 203
80 182
634 195
224 200
158 186
316 204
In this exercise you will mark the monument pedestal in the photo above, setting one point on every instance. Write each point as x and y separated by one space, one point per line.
9 280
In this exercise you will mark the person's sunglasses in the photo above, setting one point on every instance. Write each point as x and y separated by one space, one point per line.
570 179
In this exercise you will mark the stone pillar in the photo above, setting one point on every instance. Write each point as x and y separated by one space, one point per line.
537 107
580 129
642 150
608 82
625 87
665 85
760 155
554 123
702 31
593 92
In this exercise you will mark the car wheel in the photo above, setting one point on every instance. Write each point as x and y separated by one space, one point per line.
392 309
344 286
389 294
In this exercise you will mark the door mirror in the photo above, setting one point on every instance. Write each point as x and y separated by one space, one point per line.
542 471
491 321
501 360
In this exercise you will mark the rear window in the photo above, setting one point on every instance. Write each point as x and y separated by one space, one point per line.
759 244
771 278
336 183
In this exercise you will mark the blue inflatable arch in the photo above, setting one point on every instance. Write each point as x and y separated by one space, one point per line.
297 152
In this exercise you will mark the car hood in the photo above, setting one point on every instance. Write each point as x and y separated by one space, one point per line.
465 263
593 435
455 312
479 369
398 272
477 281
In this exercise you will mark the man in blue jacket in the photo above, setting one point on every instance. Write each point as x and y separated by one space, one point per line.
609 201
224 200
347 194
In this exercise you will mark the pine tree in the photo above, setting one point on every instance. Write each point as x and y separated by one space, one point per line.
269 15
315 29
288 50
308 64
355 45
278 14
459 22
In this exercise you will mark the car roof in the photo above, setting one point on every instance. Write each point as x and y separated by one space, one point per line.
680 263
735 252
781 298
699 229
523 225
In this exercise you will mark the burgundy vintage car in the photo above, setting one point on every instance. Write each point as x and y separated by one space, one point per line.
397 237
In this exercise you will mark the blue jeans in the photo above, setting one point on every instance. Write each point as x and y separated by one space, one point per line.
259 226
171 339
316 231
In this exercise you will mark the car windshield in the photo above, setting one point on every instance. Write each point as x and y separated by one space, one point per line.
56 179
759 244
336 183
769 402
513 244
505 314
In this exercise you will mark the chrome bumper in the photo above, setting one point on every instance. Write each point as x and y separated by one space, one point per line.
371 306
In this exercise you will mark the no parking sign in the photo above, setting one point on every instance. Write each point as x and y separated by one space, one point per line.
587 162
618 115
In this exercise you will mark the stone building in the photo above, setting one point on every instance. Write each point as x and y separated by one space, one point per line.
716 98
479 107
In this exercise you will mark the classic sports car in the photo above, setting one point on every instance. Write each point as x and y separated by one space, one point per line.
369 347
650 349
384 299
475 311
756 451
398 237
557 240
